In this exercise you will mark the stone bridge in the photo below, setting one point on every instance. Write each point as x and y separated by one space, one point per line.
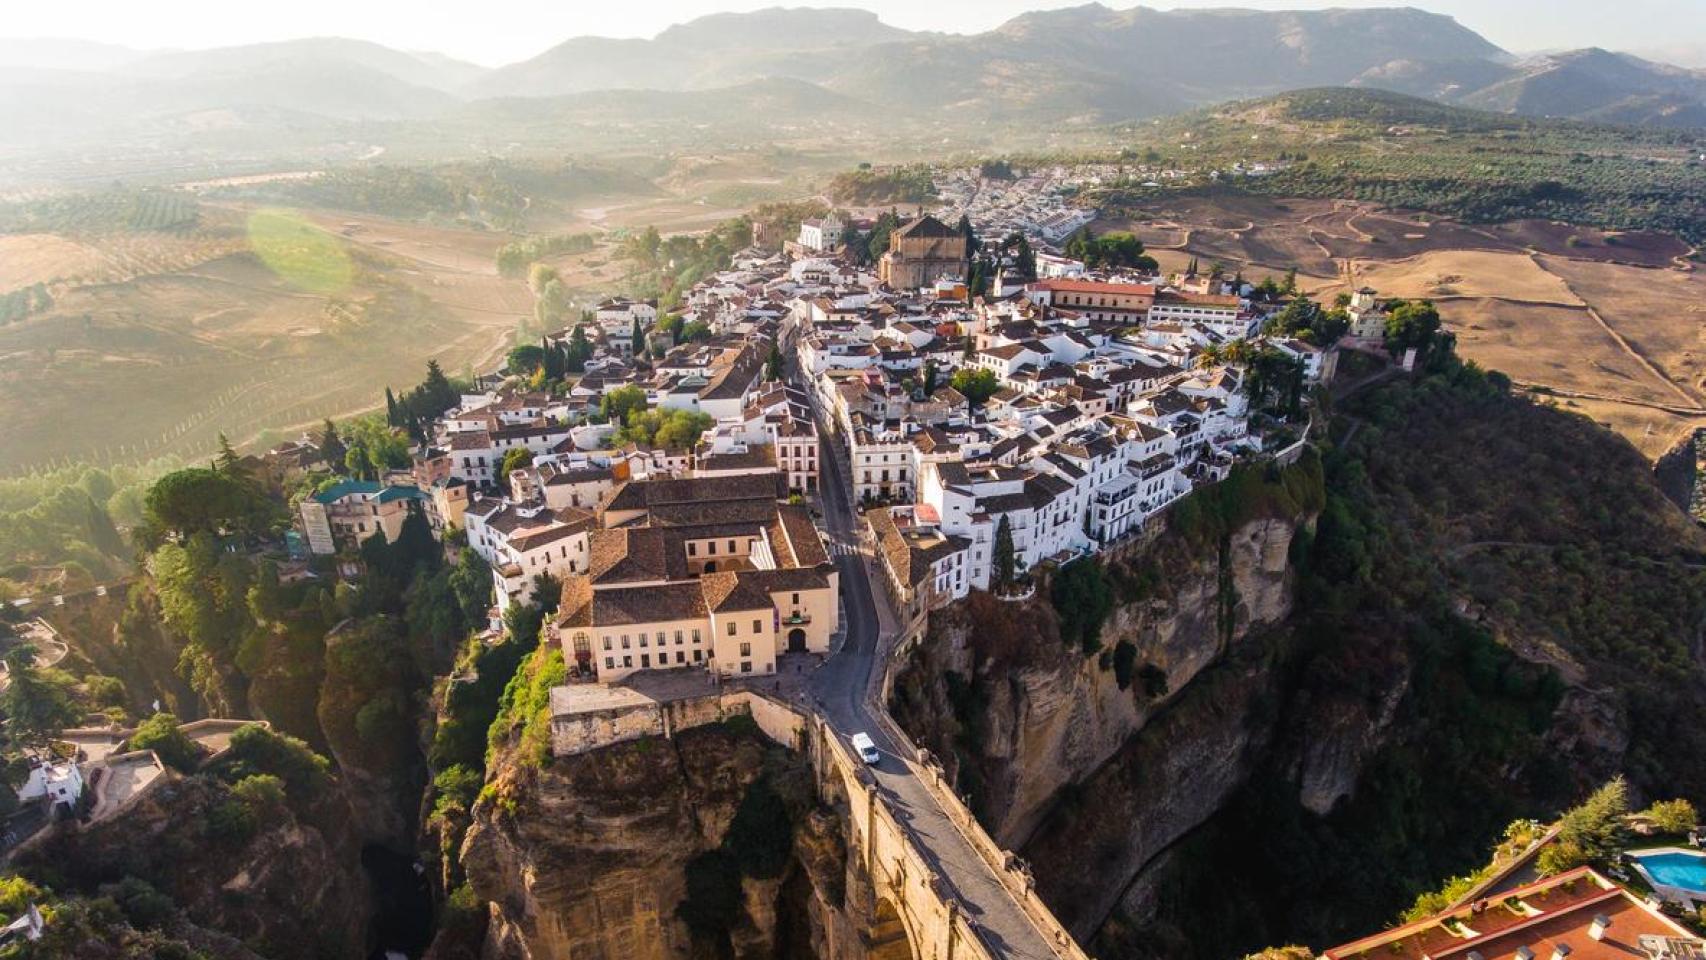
940 887
919 871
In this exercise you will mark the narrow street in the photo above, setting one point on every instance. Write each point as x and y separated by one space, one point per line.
839 688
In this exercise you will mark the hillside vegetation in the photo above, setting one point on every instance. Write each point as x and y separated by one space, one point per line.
1512 575
1411 153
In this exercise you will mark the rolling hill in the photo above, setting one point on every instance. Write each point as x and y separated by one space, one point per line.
1065 69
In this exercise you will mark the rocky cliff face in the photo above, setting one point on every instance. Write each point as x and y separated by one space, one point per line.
293 889
596 854
1048 716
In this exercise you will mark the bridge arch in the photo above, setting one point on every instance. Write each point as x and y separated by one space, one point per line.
889 936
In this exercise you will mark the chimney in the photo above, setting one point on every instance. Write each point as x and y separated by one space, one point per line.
1601 923
1561 952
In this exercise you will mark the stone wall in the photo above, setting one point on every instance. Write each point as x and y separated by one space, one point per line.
590 730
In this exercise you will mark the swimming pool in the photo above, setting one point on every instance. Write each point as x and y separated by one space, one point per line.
1680 869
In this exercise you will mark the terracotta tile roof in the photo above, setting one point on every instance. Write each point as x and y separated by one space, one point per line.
732 592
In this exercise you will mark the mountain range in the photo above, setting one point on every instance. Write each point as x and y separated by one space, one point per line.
1084 65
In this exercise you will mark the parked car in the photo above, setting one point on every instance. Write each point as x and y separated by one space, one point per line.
866 748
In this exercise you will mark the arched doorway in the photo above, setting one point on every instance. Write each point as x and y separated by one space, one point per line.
797 640
710 566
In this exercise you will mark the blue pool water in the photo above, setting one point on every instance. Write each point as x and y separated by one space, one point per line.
1686 871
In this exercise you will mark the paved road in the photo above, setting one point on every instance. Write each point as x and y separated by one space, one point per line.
840 685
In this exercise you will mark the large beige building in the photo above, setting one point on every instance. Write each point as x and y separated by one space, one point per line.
708 572
921 252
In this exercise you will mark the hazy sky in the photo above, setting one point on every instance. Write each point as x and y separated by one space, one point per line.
500 31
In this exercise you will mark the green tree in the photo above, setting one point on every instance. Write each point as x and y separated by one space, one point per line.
1411 324
37 704
773 363
617 404
472 581
161 734
1003 568
976 384
199 499
1672 816
332 447
523 360
579 351
261 792
1592 831
639 338
514 459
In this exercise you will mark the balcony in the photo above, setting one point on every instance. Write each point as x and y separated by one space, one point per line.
796 620
1108 496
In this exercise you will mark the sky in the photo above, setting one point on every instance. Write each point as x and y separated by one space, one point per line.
494 32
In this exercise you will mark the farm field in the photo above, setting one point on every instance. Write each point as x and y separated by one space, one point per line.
1613 324
158 342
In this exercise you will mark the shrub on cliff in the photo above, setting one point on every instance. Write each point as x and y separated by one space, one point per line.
160 734
257 750
1082 601
526 705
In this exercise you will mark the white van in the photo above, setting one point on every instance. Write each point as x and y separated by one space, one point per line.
866 749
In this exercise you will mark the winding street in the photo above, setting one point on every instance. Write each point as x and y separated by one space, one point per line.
840 688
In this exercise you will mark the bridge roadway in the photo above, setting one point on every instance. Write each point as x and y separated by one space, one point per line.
840 687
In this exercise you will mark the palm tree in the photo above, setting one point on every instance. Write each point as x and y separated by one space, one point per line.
1209 357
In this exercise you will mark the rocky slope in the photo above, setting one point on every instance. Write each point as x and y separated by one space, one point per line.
655 849
1338 713
1050 715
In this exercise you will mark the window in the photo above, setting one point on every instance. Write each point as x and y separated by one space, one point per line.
692 549
607 643
796 599
731 628
757 626
731 546
711 547
627 661
698 656
645 660
678 638
680 656
746 666
695 634
609 663
624 641
660 638
642 641
746 649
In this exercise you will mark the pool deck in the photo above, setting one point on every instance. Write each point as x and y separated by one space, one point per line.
1689 898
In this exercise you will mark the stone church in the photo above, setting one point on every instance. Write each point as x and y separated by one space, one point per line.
921 252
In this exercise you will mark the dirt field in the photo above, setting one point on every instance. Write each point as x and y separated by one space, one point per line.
1445 274
164 360
1560 347
1614 323
1660 313
33 258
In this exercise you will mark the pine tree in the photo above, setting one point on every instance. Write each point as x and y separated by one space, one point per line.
391 417
437 390
332 448
969 235
773 364
639 338
227 462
